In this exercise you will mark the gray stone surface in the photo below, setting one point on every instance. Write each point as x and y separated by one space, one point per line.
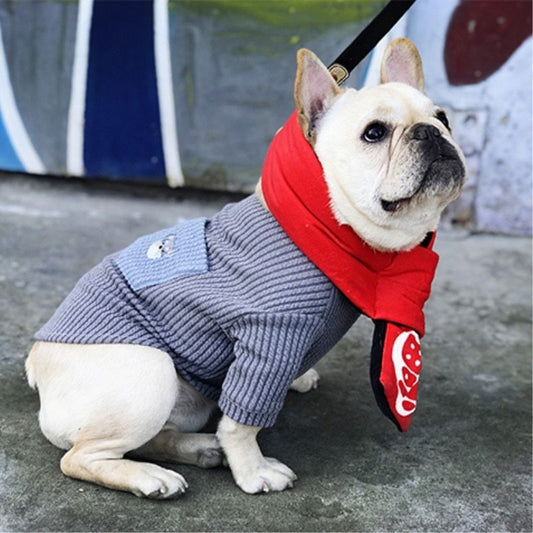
465 464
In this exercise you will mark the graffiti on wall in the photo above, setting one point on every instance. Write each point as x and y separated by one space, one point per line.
189 92
484 79
482 35
106 87
120 119
16 149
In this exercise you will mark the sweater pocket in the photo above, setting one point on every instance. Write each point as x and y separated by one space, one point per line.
165 255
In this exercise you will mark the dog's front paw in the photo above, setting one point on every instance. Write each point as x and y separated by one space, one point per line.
306 382
268 475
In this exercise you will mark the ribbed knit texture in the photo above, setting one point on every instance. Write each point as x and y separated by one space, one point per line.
240 332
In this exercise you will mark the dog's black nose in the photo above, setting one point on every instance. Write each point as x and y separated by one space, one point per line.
424 132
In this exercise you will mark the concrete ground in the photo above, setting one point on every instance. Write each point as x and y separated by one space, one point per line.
465 464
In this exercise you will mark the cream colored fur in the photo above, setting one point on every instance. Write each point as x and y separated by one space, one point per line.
101 402
359 175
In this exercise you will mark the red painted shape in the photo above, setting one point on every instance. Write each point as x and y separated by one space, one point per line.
481 37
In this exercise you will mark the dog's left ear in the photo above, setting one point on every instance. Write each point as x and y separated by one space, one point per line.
401 62
314 91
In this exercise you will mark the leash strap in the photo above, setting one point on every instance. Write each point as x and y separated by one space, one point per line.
361 46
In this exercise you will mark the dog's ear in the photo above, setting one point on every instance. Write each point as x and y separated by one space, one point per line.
401 62
314 91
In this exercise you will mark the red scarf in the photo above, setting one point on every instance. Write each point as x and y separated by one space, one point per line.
389 287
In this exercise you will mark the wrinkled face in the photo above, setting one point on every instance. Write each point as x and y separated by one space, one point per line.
390 163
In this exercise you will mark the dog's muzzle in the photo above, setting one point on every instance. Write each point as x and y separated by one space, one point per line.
445 171
440 169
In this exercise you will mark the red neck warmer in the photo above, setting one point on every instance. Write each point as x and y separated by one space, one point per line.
389 287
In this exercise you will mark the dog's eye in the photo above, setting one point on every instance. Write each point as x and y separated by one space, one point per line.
441 115
375 132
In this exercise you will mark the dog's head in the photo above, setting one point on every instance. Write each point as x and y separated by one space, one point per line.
389 159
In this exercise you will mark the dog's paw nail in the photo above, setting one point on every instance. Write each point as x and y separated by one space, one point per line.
266 488
156 494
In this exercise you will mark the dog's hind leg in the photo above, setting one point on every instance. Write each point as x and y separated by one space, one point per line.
102 401
172 446
178 442
104 464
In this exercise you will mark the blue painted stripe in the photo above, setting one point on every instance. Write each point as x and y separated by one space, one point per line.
122 136
8 157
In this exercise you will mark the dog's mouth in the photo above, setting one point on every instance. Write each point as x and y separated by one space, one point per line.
393 205
442 177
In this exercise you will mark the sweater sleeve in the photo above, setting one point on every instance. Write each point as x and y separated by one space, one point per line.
268 351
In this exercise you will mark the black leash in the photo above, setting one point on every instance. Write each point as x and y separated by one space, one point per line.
361 46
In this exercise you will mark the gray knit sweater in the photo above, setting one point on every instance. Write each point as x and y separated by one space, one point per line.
238 307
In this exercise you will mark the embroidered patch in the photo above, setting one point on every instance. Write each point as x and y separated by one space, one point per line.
165 255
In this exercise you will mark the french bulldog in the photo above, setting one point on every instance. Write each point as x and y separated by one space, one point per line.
390 165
